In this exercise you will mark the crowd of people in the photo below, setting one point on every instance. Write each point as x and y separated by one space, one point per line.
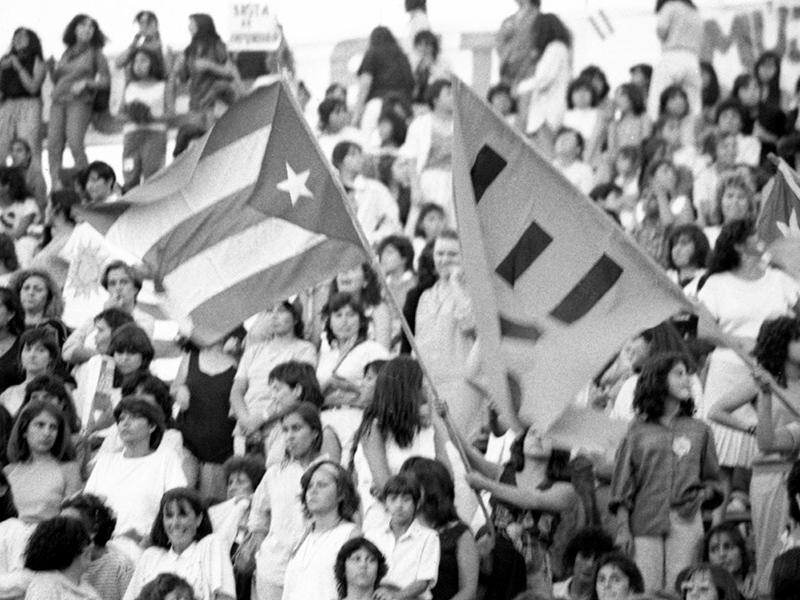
317 451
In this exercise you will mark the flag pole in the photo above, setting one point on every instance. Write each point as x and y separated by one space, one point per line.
375 263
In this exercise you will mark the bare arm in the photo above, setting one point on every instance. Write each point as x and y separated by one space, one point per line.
31 82
364 85
556 499
375 452
721 411
770 438
178 388
468 567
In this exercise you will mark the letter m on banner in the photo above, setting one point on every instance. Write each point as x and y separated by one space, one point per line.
557 286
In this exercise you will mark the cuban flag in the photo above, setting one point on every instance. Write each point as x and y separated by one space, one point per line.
247 216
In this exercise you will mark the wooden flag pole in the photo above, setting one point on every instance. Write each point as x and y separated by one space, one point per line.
375 263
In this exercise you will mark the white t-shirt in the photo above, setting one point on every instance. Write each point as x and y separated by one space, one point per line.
414 556
309 573
740 306
205 564
132 487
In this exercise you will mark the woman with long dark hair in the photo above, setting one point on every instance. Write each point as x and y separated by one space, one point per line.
658 518
206 65
530 493
395 426
22 73
385 69
739 293
79 76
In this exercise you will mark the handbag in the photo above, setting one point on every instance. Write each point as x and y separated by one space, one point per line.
102 96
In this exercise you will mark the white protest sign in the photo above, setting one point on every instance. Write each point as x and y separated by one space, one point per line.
253 26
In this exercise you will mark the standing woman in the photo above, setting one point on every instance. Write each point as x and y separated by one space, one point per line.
42 471
276 524
778 434
80 74
385 69
330 503
182 543
680 29
740 293
205 64
666 468
12 324
546 89
22 72
144 142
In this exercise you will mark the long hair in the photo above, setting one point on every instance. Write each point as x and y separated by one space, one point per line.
773 86
336 303
34 47
398 396
371 292
7 508
310 416
10 300
557 465
382 41
660 3
725 257
182 497
772 345
54 306
625 564
205 37
710 93
699 240
722 580
731 530
156 65
651 388
54 386
736 180
18 449
548 28
348 500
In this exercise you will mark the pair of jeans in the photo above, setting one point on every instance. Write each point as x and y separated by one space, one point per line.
21 118
662 558
68 124
144 151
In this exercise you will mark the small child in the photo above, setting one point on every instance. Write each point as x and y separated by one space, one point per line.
582 113
411 549
502 101
568 159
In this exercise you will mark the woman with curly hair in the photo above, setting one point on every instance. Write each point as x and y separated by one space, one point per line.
78 77
58 554
41 300
109 571
359 568
778 435
330 503
396 425
666 468
616 578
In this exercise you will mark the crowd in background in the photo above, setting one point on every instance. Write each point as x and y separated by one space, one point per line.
308 453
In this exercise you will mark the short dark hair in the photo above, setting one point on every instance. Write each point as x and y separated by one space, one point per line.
294 373
14 178
44 336
403 246
577 84
144 382
114 317
102 169
635 97
730 104
182 496
501 88
435 90
63 201
339 301
591 542
310 416
55 544
326 108
348 497
8 253
785 578
669 93
403 484
131 271
141 407
132 338
54 386
429 38
249 465
97 517
424 209
438 489
793 490
164 584
70 38
156 64
772 345
578 137
341 150
699 239
349 548
10 300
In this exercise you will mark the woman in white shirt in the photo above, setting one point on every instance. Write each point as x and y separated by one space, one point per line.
183 544
330 503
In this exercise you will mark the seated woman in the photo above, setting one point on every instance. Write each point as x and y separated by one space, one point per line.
109 570
330 503
39 353
57 553
183 544
359 568
42 471
134 480
617 578
725 547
